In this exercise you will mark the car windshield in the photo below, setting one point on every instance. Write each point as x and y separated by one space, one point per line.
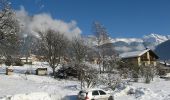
83 93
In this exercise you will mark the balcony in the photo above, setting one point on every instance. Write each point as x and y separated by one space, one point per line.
144 59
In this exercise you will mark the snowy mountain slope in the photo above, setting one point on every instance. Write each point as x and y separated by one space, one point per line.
155 38
130 44
163 50
146 38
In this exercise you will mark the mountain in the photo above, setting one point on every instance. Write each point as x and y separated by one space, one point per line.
131 44
163 49
155 38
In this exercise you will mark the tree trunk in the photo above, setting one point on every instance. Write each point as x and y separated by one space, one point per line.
81 83
53 71
103 65
100 69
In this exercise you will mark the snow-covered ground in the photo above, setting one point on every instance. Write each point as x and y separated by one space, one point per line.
19 86
24 85
159 89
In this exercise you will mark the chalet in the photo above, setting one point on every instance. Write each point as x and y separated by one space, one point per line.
31 58
26 60
143 57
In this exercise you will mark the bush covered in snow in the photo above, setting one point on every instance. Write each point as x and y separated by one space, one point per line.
140 93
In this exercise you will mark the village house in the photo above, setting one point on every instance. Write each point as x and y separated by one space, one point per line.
164 67
30 59
26 60
143 57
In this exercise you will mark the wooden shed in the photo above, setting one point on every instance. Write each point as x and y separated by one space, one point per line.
9 71
41 71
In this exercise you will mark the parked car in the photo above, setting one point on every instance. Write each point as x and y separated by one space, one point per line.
94 94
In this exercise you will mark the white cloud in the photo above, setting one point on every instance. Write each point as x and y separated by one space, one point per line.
44 21
123 49
140 47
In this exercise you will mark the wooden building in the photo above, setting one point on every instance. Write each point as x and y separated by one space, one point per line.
26 60
143 57
41 71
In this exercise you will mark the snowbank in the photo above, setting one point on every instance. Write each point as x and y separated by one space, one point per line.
123 89
30 87
31 96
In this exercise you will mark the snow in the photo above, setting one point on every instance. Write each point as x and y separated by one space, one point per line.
32 96
155 38
19 86
127 40
131 44
159 89
30 86
164 63
133 54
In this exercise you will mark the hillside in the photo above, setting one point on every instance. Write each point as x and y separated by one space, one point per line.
163 50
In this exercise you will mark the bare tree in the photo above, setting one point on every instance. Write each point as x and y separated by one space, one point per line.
53 46
100 32
9 29
102 38
89 76
79 54
79 50
26 45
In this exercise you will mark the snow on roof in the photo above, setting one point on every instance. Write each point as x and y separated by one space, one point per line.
133 54
162 62
23 58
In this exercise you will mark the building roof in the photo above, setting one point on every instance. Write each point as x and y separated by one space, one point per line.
23 58
133 54
164 63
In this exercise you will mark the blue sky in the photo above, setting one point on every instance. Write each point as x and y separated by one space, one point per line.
122 18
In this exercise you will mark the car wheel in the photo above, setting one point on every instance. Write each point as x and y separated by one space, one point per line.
110 98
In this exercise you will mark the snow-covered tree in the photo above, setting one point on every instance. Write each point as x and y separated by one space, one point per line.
79 52
9 29
148 72
89 76
104 47
100 32
27 45
53 46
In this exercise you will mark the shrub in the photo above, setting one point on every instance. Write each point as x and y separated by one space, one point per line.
8 61
148 72
18 63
